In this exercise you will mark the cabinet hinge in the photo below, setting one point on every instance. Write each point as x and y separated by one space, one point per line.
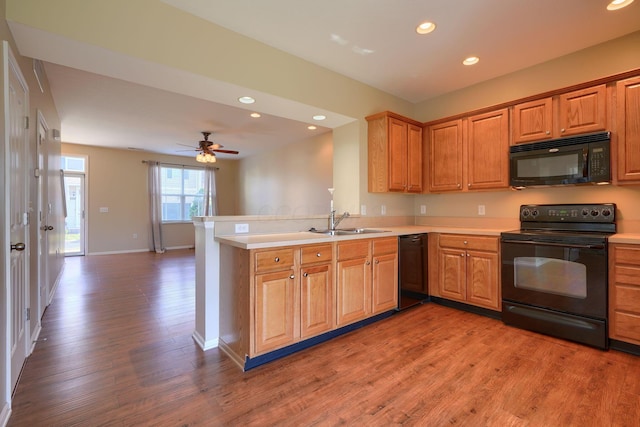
27 313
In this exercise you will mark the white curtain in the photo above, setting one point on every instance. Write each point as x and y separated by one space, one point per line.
210 199
155 207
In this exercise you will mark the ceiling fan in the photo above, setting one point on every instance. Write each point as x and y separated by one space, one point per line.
208 149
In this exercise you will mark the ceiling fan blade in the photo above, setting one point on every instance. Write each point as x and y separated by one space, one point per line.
226 151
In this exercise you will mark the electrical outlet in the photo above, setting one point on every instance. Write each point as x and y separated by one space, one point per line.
242 228
363 209
104 210
383 210
423 209
480 209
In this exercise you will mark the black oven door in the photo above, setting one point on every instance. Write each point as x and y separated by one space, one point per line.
566 277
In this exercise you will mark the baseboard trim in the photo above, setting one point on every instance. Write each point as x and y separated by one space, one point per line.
5 414
204 344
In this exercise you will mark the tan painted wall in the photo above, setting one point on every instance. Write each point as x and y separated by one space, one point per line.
292 180
117 179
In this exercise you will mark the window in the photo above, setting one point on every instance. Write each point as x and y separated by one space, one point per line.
182 193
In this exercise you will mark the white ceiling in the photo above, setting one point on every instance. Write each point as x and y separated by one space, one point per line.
372 41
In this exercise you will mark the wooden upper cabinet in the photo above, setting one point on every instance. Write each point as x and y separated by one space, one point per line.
395 154
445 156
488 150
628 129
583 111
533 121
571 113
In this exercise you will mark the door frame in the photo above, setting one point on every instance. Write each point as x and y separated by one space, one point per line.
10 66
41 218
83 219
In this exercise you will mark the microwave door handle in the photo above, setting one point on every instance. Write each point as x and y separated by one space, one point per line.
585 162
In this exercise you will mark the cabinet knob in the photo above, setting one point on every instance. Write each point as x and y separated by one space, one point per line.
468 254
548 132
462 254
459 186
318 254
469 185
377 261
292 277
368 263
305 274
562 130
276 259
465 242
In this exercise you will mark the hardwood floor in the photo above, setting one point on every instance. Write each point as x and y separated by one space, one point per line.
119 352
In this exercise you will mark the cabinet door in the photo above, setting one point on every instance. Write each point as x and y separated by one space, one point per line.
488 150
628 118
384 295
452 274
445 156
415 176
533 121
353 299
583 111
482 279
397 155
316 295
275 304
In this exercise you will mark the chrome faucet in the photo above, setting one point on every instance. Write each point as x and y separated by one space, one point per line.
333 222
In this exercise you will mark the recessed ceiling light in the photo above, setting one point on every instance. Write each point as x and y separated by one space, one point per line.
311 127
255 115
471 60
319 117
246 100
618 4
425 27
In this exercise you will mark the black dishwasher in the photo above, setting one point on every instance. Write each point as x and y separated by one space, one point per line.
412 271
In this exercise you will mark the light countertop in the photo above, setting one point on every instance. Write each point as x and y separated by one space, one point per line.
259 241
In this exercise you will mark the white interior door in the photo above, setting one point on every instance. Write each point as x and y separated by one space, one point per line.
16 94
42 220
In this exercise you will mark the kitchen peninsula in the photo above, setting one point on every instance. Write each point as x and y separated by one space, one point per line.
282 290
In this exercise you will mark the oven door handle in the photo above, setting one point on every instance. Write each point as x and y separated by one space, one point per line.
564 245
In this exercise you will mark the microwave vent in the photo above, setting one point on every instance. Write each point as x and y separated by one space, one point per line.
561 142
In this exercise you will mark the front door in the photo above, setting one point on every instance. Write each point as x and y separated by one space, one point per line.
16 94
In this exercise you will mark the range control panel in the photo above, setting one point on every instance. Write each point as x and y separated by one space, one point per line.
598 212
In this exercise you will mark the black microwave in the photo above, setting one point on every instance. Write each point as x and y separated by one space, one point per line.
572 160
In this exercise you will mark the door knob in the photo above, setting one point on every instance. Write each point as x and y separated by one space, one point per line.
18 247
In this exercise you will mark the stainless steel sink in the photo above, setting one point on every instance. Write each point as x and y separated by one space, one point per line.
347 231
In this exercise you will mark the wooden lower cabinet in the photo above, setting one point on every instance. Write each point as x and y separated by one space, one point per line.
468 270
624 293
276 297
367 278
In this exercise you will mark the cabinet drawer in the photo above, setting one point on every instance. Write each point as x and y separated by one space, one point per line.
273 260
317 253
626 255
626 274
627 298
482 243
385 246
353 249
627 325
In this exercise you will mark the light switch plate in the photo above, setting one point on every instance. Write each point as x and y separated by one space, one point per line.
423 209
481 210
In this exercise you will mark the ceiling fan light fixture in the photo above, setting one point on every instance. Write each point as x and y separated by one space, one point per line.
618 4
206 158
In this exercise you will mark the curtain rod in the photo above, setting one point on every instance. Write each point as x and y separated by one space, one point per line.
176 164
